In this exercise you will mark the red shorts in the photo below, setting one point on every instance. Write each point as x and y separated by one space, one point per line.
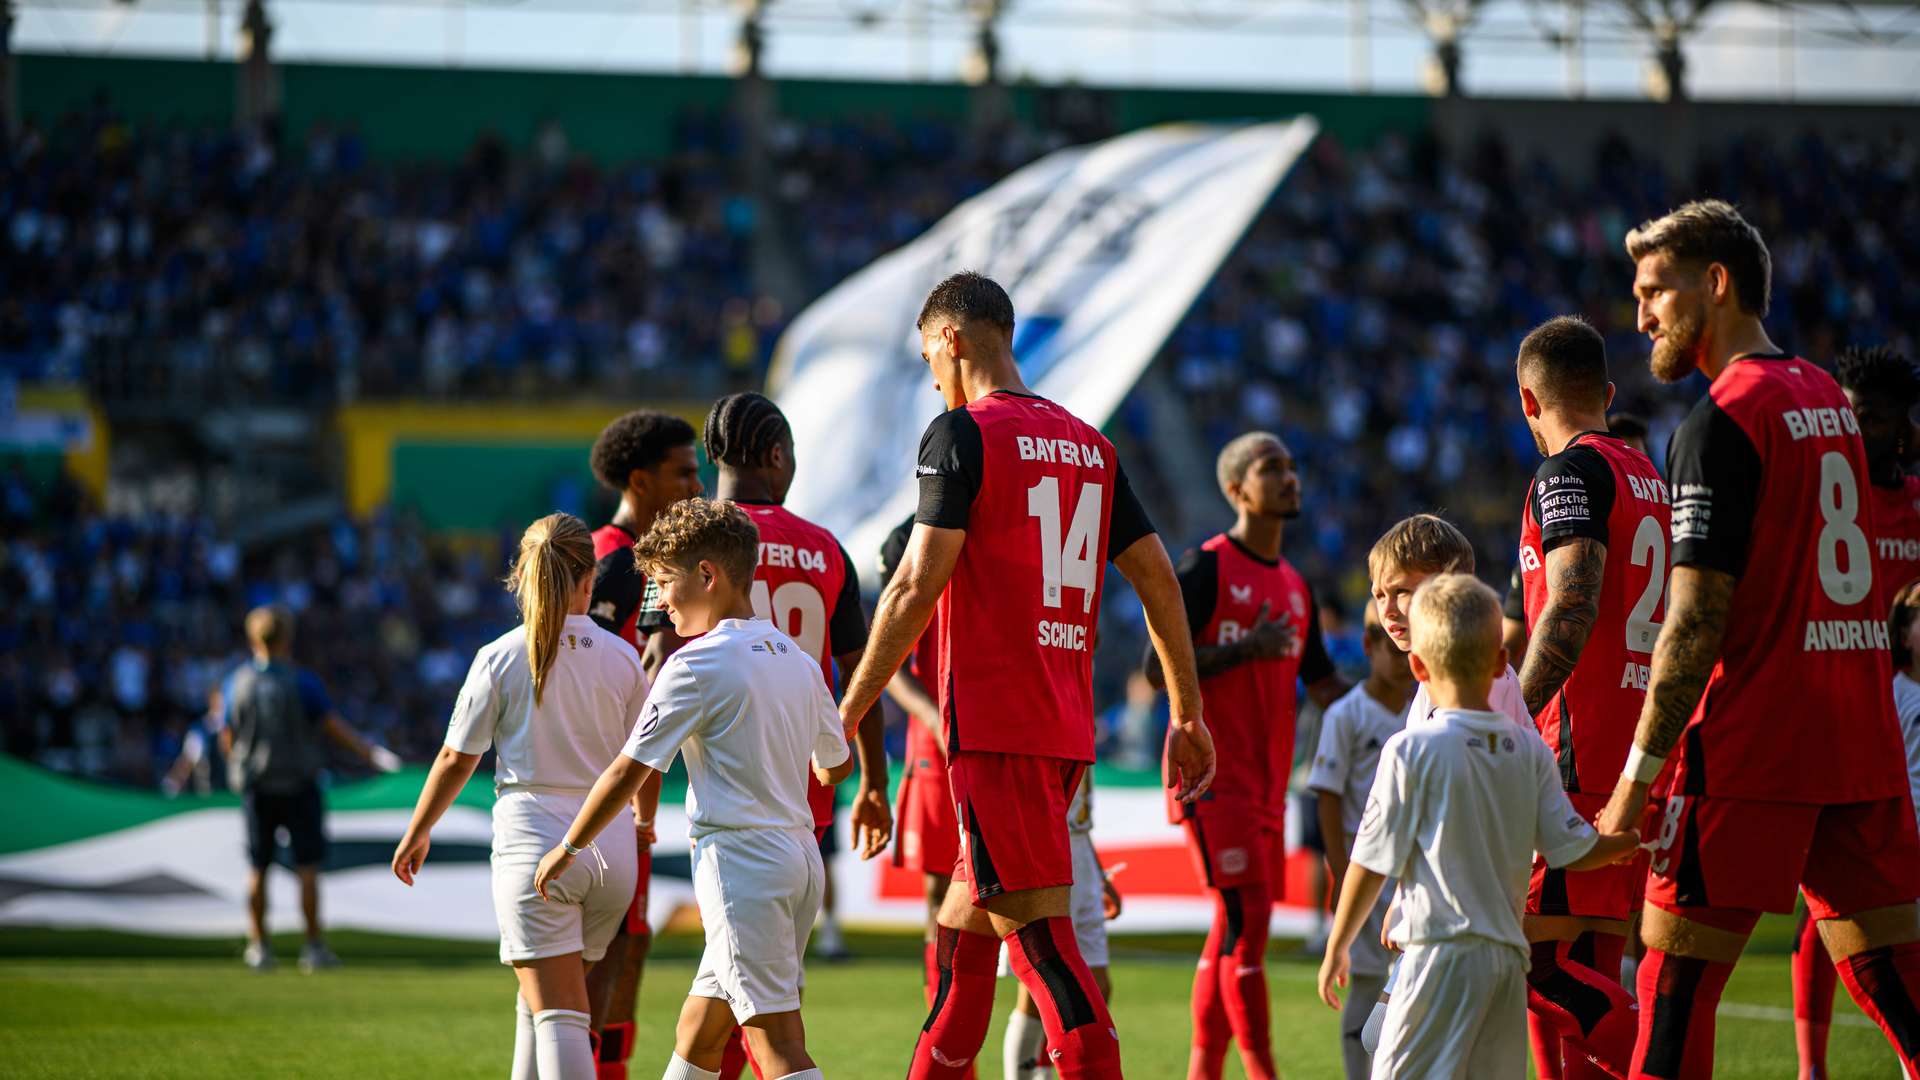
1233 843
928 840
637 911
1012 809
1742 854
1611 892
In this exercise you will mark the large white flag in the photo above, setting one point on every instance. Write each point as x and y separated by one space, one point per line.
1103 248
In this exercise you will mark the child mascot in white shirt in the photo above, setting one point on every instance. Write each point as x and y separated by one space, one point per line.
555 698
1462 799
747 707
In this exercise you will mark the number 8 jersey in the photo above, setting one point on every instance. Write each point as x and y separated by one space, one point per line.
1602 489
1768 477
1043 500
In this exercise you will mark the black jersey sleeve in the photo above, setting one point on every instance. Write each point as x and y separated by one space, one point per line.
1127 520
1315 664
1572 496
618 587
1515 605
893 549
1713 469
952 462
847 630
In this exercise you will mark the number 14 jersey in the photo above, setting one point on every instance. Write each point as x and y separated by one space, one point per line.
1043 501
1768 476
1599 488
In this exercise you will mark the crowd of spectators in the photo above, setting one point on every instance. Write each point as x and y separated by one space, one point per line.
1370 316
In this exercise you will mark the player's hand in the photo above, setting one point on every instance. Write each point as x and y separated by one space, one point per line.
383 759
1189 759
1269 639
552 865
1333 975
1386 926
1110 896
872 821
409 856
644 835
1623 810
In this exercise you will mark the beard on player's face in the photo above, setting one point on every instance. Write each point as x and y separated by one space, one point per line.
1677 353
1539 440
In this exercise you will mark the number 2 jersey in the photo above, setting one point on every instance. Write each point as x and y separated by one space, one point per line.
1769 478
1043 501
805 585
1601 489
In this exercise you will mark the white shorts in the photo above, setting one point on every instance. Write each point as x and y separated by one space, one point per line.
1087 906
588 901
1459 1011
758 890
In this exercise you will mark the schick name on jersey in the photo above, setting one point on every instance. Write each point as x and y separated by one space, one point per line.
1804 422
1060 451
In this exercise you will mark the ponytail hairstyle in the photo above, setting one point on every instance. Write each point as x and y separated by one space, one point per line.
555 553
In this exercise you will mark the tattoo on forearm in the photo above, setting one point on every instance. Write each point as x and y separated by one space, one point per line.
1575 571
1685 654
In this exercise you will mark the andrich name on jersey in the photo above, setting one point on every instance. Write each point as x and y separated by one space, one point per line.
1060 451
787 555
1062 635
1834 635
1812 421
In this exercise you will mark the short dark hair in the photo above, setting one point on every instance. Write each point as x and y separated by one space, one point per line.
742 430
1712 231
1628 425
966 297
1879 372
638 440
1565 359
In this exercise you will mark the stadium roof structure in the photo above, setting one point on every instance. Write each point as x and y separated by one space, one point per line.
1657 29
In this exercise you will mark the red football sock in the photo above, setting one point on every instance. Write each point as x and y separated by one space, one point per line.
1081 1040
1679 996
612 1045
1593 1015
1885 983
1241 965
1813 980
1212 1031
1542 1032
733 1060
962 1009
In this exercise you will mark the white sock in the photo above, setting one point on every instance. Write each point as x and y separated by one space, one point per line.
1025 1034
1363 996
682 1069
562 1045
803 1074
525 1064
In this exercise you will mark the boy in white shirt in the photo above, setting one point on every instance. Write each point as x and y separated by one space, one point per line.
1352 734
747 706
1462 800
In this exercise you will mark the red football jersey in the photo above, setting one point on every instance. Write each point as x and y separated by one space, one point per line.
1769 481
806 586
1250 707
1600 488
619 588
1896 536
1040 495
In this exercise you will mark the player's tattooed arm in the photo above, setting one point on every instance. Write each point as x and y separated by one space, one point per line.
1684 655
1575 570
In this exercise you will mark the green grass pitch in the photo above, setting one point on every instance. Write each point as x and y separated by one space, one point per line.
80 1004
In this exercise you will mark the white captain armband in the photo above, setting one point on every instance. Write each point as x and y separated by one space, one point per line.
1642 767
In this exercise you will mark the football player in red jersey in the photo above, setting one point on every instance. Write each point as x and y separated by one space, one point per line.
804 584
1255 637
1593 544
1770 675
648 458
1020 505
1882 387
